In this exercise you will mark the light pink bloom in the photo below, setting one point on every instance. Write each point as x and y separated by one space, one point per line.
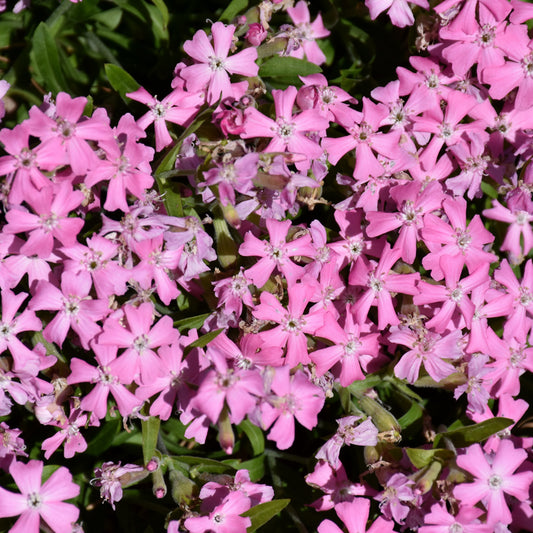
110 376
140 338
275 253
38 501
494 477
291 397
439 520
75 308
177 107
293 323
354 515
214 65
398 10
112 477
306 33
225 518
288 131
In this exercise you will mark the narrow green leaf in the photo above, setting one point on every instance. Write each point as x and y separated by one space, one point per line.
255 436
150 432
104 438
161 6
262 513
204 340
120 80
255 467
287 69
235 7
414 414
467 435
192 322
45 60
170 159
201 464
422 458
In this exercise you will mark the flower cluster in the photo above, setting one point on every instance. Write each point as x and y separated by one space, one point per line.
418 274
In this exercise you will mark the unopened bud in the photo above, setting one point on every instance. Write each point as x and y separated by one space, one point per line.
159 486
153 464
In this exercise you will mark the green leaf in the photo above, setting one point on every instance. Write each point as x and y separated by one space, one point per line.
161 6
110 17
204 340
421 458
201 464
287 69
150 431
467 435
255 467
120 80
104 438
192 322
45 60
169 160
255 436
262 513
235 7
414 414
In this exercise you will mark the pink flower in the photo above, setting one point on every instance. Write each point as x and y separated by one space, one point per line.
494 477
140 338
354 515
306 33
291 397
112 477
36 501
288 131
4 87
256 34
177 107
214 66
224 518
275 252
398 10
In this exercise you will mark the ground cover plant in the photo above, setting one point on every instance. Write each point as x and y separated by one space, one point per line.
266 266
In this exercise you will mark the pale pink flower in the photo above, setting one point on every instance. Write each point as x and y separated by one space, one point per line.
306 33
354 515
290 397
494 476
38 501
288 131
398 10
214 64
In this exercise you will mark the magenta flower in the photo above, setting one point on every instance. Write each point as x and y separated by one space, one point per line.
75 308
494 476
36 501
439 520
52 206
213 65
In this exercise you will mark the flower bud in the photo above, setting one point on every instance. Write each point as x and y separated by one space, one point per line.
256 34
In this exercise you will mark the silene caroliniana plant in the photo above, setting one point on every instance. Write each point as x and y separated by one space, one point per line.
279 292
